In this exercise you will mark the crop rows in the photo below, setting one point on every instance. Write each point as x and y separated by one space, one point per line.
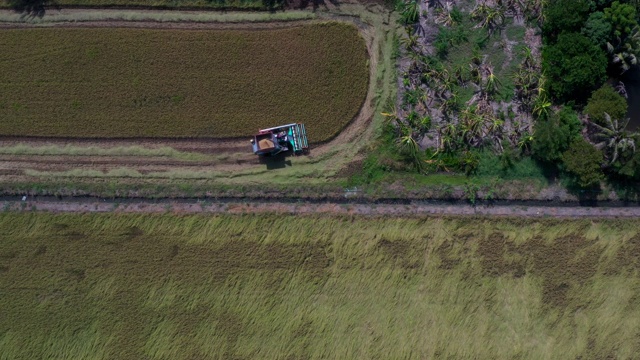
114 83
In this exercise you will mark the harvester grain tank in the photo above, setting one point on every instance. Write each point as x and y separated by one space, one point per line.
278 139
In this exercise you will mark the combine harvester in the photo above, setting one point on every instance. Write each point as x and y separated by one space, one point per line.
275 140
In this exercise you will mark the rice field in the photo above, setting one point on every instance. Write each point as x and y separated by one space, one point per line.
204 4
124 83
107 286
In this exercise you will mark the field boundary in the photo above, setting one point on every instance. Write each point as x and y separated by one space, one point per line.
247 206
78 17
232 164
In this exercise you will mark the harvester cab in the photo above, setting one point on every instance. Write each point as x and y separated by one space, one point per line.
275 140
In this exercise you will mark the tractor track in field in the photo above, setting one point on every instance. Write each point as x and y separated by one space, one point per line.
141 165
235 206
16 161
242 159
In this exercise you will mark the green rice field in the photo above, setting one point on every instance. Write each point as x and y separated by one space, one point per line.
123 83
113 286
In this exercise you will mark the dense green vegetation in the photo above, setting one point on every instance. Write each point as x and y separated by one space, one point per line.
180 83
484 88
588 43
183 287
469 96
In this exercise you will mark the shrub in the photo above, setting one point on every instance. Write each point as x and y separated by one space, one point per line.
597 29
508 166
565 16
409 11
606 100
448 37
583 161
622 17
553 135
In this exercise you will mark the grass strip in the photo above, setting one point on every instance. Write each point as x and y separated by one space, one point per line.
164 16
72 150
218 4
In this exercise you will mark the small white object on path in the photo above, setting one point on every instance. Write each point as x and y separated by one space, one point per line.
24 198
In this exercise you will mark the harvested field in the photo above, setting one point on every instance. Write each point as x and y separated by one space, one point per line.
218 4
124 83
271 286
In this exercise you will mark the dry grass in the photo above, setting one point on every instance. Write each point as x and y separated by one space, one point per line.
171 287
88 15
180 83
204 4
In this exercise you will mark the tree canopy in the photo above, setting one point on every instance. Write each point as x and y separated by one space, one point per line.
565 16
622 18
575 66
598 29
553 135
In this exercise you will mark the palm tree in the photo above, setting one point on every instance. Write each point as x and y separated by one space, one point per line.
542 106
409 11
492 83
540 89
529 60
474 74
523 81
470 127
408 146
534 10
392 115
622 89
448 135
460 74
444 15
449 104
490 18
444 84
614 138
524 142
515 7
493 126
410 42
624 51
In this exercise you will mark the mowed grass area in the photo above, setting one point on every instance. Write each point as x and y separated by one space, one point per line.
106 83
265 287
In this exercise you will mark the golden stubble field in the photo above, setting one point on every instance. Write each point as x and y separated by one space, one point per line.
120 83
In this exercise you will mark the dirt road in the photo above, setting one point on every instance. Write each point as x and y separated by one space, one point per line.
302 208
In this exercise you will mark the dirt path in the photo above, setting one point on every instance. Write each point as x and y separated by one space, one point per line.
418 210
